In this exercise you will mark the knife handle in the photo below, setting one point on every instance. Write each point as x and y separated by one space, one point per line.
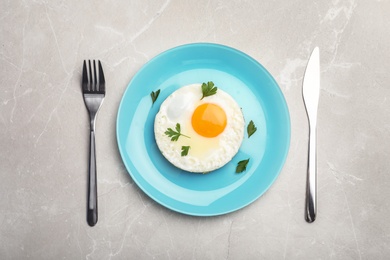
311 178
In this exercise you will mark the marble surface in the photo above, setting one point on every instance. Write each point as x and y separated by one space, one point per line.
44 129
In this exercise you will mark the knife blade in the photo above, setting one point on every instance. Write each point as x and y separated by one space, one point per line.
311 95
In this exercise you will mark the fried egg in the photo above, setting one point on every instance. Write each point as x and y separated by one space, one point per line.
211 128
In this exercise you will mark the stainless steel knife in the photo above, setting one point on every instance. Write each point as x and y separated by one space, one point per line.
311 94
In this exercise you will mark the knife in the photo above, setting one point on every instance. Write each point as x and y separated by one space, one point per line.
311 94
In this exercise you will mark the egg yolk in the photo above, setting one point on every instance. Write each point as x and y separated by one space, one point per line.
209 120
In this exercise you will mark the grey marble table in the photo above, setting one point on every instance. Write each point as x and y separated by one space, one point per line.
44 129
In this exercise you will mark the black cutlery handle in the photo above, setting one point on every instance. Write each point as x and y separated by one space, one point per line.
92 213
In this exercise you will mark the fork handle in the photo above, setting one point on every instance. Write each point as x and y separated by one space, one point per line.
92 214
311 181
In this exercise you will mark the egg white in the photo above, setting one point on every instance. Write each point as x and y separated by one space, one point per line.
205 154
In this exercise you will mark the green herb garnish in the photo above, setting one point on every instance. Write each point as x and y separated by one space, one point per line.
208 89
184 150
154 95
241 166
251 129
175 134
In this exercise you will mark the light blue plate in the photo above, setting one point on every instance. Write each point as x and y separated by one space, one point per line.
221 191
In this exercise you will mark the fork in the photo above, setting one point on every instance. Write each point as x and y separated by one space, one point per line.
93 85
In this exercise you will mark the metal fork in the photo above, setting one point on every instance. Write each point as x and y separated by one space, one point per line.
93 85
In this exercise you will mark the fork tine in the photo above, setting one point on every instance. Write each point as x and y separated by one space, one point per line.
90 76
95 76
85 77
102 82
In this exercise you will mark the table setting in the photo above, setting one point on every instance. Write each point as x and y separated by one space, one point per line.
194 130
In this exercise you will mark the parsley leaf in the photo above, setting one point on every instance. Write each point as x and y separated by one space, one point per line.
241 166
208 89
154 95
251 129
184 150
174 134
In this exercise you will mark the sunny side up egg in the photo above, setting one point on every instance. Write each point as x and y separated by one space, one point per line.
211 129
